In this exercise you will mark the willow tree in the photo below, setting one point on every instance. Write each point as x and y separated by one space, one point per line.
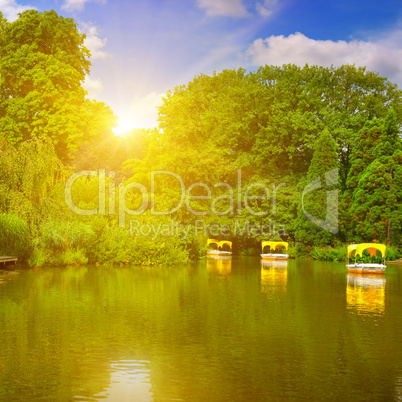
43 66
31 181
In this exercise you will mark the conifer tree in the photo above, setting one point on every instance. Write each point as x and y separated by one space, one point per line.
318 229
364 152
372 161
376 209
390 141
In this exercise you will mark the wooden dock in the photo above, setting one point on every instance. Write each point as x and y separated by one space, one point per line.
6 259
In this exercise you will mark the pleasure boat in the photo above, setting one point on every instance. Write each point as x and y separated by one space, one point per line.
274 246
363 267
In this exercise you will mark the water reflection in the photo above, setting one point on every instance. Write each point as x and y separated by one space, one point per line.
129 381
7 275
398 389
243 330
221 265
366 294
274 276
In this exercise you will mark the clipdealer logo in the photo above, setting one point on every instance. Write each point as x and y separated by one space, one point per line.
330 224
112 201
236 198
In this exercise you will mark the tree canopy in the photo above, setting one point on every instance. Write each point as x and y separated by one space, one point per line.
43 66
269 123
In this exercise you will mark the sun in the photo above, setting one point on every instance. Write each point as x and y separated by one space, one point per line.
124 124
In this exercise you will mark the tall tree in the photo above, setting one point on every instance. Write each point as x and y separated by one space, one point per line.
390 140
43 65
364 152
318 214
376 209
376 143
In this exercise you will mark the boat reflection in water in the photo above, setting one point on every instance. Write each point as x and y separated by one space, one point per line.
366 294
274 276
219 264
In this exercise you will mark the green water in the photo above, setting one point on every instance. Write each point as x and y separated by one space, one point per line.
217 330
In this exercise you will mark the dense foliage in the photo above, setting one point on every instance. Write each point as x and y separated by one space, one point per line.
14 236
284 127
245 156
43 65
321 223
31 181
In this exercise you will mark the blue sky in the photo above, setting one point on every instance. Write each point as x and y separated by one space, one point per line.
141 49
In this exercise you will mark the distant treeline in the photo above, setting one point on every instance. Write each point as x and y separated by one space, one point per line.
235 148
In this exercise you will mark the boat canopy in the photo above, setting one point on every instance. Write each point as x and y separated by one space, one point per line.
371 248
219 243
351 248
223 242
213 241
274 245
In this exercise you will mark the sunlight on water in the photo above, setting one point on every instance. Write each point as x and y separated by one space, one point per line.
130 380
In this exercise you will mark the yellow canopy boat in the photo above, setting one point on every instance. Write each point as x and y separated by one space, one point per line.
363 267
219 247
274 245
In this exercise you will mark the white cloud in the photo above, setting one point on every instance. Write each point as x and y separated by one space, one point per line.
383 55
94 87
266 8
11 9
93 42
74 5
224 8
142 112
77 5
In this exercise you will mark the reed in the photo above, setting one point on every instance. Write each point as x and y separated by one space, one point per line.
14 236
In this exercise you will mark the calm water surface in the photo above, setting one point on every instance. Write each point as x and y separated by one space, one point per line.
217 330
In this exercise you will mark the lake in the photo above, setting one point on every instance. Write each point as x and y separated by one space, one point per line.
216 330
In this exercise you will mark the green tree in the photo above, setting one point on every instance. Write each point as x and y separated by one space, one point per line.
321 178
43 65
266 123
267 120
377 139
390 140
364 152
376 209
31 181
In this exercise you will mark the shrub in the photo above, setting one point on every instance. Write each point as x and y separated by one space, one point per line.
116 245
63 235
329 254
392 253
38 258
61 243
